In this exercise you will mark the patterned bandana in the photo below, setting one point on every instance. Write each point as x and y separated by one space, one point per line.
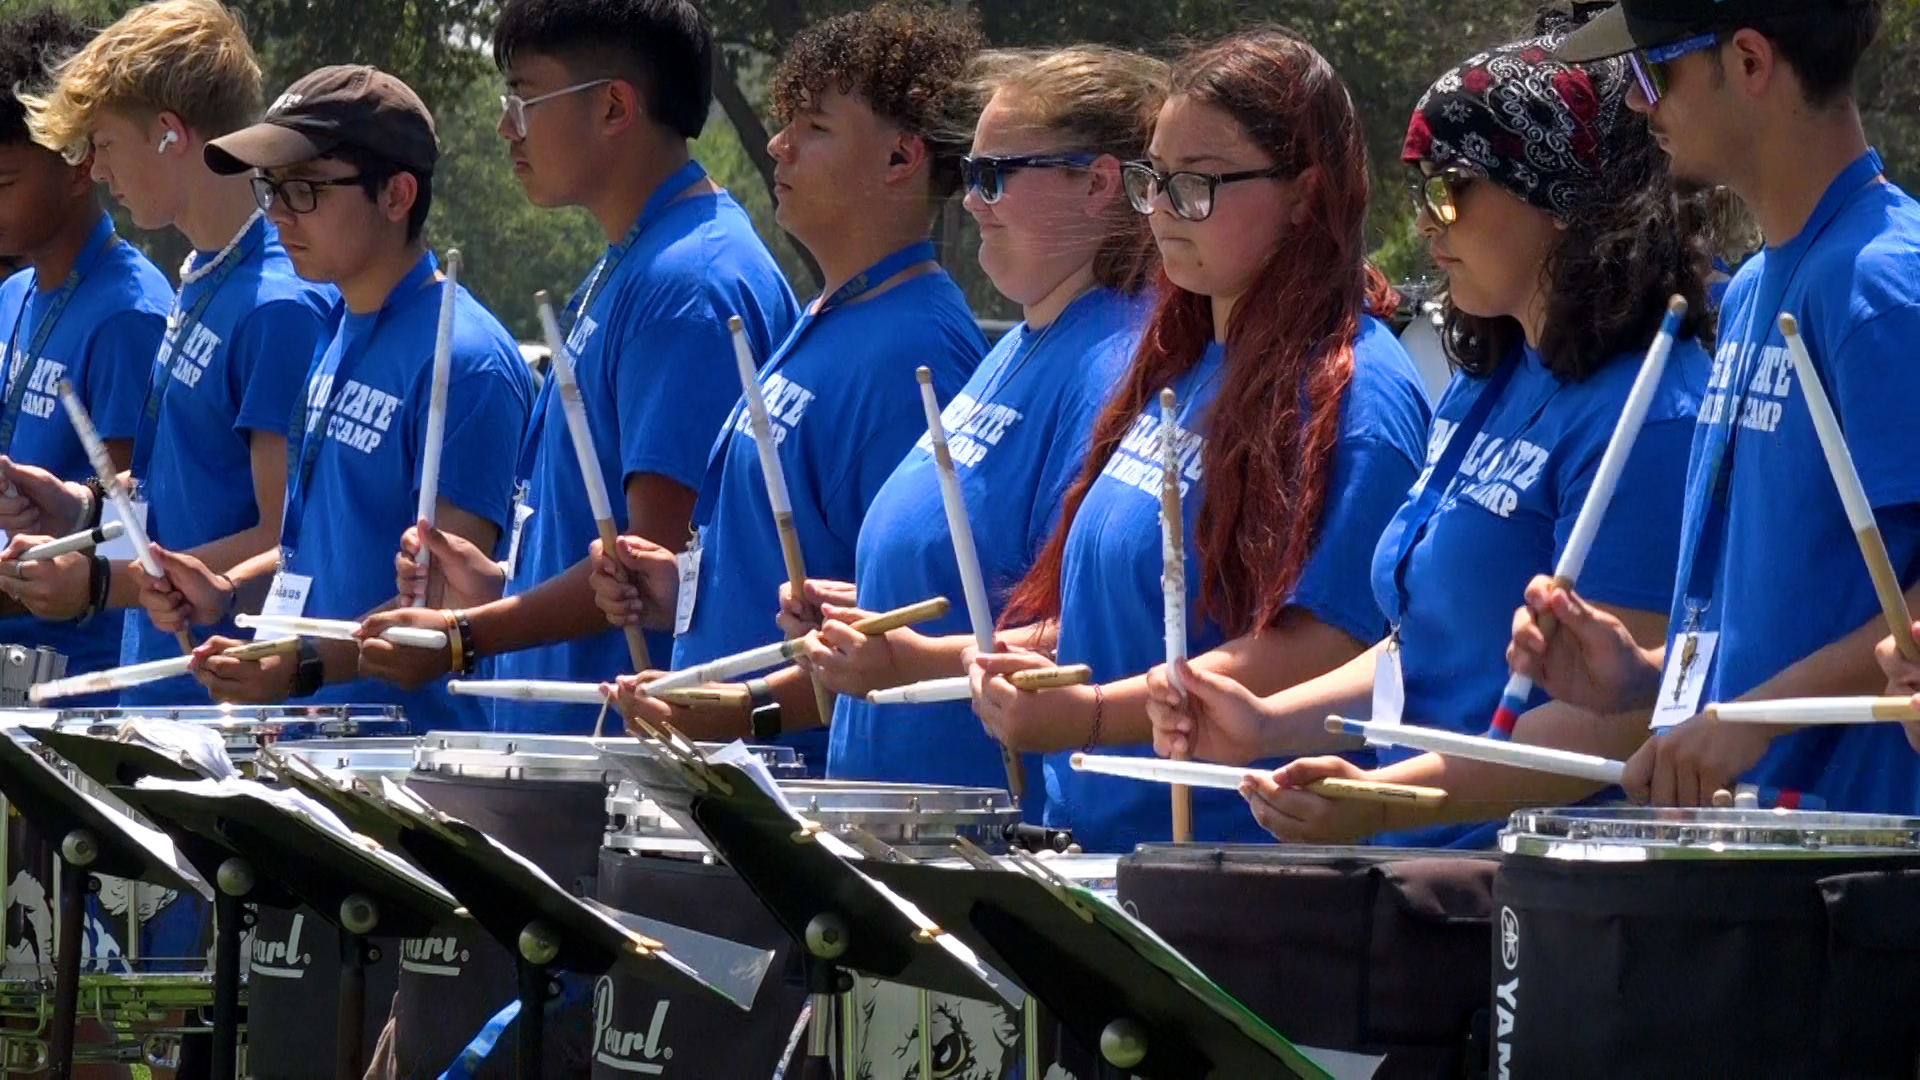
1532 124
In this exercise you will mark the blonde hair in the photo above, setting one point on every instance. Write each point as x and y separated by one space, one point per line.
1101 100
187 57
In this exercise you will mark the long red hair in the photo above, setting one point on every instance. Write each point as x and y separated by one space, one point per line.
1272 427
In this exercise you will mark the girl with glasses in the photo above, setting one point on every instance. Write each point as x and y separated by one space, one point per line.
1300 419
1056 237
1548 207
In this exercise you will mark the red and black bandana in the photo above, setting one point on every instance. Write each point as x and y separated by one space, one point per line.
1532 124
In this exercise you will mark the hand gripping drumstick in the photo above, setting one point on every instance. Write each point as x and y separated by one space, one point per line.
1173 586
122 678
598 501
1612 463
1229 778
766 656
437 410
586 693
776 479
340 630
1893 602
960 687
67 545
972 582
110 483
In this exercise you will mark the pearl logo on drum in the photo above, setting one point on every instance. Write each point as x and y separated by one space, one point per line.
281 959
618 1049
1509 938
432 956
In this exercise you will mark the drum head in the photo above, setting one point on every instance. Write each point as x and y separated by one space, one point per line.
1644 834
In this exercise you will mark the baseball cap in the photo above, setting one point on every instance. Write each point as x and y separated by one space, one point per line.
348 105
1642 24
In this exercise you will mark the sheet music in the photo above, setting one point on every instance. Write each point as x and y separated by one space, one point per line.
202 746
737 755
153 841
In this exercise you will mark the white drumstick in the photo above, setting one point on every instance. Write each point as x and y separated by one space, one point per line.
122 678
575 408
1230 777
1853 496
972 582
437 408
930 692
1479 748
562 693
776 479
1173 583
1613 462
80 541
341 630
109 478
767 656
1810 711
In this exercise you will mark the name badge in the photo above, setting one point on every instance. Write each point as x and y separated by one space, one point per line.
522 513
1389 690
288 596
120 549
689 563
1684 678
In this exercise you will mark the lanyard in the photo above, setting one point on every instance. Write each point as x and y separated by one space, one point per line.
329 376
668 193
180 327
1701 551
862 283
1407 528
19 365
1083 306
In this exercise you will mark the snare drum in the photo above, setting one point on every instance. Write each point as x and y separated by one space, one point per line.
1375 952
295 964
247 729
1656 943
650 867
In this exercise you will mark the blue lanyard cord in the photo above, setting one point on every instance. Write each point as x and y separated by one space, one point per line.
330 376
19 372
1701 552
180 327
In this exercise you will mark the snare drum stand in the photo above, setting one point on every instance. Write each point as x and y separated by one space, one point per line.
77 852
359 916
538 948
231 917
827 987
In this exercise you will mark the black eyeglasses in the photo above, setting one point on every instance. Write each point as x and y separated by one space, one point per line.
987 173
1190 194
298 196
1437 193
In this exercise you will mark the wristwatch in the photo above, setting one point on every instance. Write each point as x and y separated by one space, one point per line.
765 710
311 674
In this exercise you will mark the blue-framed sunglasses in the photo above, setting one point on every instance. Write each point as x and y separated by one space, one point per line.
1649 65
987 173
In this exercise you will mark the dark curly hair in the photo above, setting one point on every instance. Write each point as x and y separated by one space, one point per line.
1630 244
31 42
907 61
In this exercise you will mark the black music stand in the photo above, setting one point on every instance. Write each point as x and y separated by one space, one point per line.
841 920
546 928
273 855
93 840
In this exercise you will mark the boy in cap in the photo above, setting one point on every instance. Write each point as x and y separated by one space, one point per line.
343 166
1772 598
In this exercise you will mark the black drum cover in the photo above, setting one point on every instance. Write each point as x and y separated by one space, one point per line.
293 995
1803 967
452 983
1374 951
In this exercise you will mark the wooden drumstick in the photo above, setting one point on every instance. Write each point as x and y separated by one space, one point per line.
109 478
132 675
598 501
1173 586
776 479
766 656
973 582
437 411
1573 558
1052 678
1853 496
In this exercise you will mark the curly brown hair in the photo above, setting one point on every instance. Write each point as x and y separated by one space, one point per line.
907 61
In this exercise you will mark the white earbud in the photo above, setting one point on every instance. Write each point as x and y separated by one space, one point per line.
167 140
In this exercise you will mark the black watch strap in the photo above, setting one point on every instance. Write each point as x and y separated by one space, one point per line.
766 711
311 675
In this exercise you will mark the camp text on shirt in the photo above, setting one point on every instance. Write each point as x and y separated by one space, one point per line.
1495 473
1137 462
1768 391
195 354
361 419
42 392
787 403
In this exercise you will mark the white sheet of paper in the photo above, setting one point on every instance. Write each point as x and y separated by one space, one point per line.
689 563
736 753
1680 697
1389 688
120 549
157 843
200 744
287 597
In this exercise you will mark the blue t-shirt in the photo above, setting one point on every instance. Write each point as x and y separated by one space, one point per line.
655 365
233 365
365 482
845 409
1019 433
1506 516
1790 579
1110 595
102 339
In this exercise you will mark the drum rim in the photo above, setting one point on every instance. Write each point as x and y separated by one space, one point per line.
1636 834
